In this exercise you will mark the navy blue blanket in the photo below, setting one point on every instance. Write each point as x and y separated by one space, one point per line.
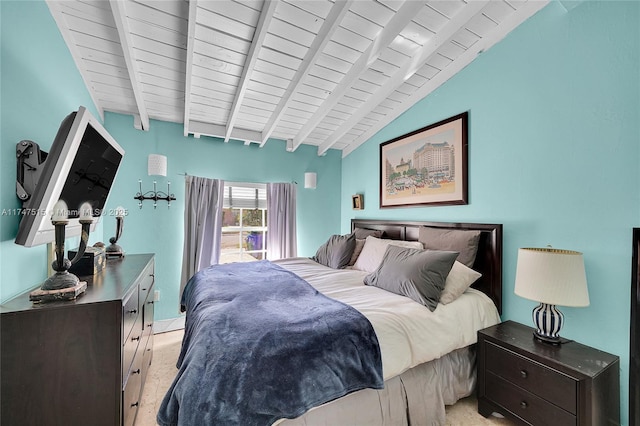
261 344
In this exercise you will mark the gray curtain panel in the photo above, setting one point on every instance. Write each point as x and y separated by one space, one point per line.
202 225
281 221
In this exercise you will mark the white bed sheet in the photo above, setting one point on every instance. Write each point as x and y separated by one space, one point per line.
408 333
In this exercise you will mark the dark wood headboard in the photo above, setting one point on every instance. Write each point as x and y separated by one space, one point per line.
488 260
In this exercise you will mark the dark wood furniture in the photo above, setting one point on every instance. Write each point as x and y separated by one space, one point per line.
488 260
80 362
634 347
537 383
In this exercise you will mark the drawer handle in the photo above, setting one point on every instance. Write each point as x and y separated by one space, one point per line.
523 374
524 405
136 371
133 339
150 302
135 404
133 311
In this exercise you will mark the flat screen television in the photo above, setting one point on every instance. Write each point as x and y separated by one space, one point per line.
80 167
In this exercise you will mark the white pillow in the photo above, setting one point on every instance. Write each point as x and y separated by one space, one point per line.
458 281
373 252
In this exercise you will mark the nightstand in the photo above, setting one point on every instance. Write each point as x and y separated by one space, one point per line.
537 383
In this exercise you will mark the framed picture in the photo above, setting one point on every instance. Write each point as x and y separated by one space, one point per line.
426 167
357 201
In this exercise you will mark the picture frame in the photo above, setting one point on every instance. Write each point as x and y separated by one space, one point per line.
357 202
427 167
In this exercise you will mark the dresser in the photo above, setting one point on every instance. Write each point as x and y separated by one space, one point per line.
81 362
537 383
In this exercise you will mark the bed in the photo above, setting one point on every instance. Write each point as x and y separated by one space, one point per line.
410 359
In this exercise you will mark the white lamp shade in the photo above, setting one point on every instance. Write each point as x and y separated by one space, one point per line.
60 212
157 165
86 212
310 180
552 276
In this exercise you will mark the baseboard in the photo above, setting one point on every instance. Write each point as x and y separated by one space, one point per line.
172 324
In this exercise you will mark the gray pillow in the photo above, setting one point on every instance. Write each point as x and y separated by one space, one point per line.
363 233
417 274
336 252
356 251
462 241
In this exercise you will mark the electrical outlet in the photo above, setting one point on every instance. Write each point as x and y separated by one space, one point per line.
156 295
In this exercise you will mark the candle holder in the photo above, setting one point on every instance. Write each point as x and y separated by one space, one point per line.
63 285
155 195
114 250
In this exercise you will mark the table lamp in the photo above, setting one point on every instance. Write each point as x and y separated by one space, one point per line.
552 277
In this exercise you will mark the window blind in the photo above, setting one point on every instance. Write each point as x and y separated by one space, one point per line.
245 195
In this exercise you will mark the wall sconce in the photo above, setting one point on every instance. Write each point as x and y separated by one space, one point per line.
310 180
155 195
157 165
551 277
63 285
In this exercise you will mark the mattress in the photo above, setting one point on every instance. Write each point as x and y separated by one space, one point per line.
408 333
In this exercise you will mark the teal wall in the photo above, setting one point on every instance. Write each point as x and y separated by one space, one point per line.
41 85
554 154
161 230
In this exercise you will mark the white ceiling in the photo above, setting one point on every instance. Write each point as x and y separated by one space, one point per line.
324 73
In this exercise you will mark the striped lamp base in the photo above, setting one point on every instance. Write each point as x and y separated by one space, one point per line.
548 321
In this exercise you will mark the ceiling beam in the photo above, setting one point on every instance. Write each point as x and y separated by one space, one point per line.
268 10
219 131
524 12
118 8
55 8
329 27
407 70
191 34
398 22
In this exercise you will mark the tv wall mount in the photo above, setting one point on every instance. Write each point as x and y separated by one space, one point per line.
30 161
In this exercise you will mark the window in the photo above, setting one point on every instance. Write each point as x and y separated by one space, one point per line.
244 222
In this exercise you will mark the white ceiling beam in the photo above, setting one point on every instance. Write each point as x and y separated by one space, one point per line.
524 12
55 8
398 22
219 131
268 10
118 8
329 27
406 71
191 33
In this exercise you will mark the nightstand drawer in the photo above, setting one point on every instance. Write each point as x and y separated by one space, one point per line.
544 382
527 406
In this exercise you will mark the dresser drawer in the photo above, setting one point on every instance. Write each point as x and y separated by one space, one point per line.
146 285
132 391
542 381
147 357
131 347
130 313
528 406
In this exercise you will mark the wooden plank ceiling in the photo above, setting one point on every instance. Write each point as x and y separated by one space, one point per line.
324 73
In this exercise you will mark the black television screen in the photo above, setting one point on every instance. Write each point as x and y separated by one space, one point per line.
80 167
